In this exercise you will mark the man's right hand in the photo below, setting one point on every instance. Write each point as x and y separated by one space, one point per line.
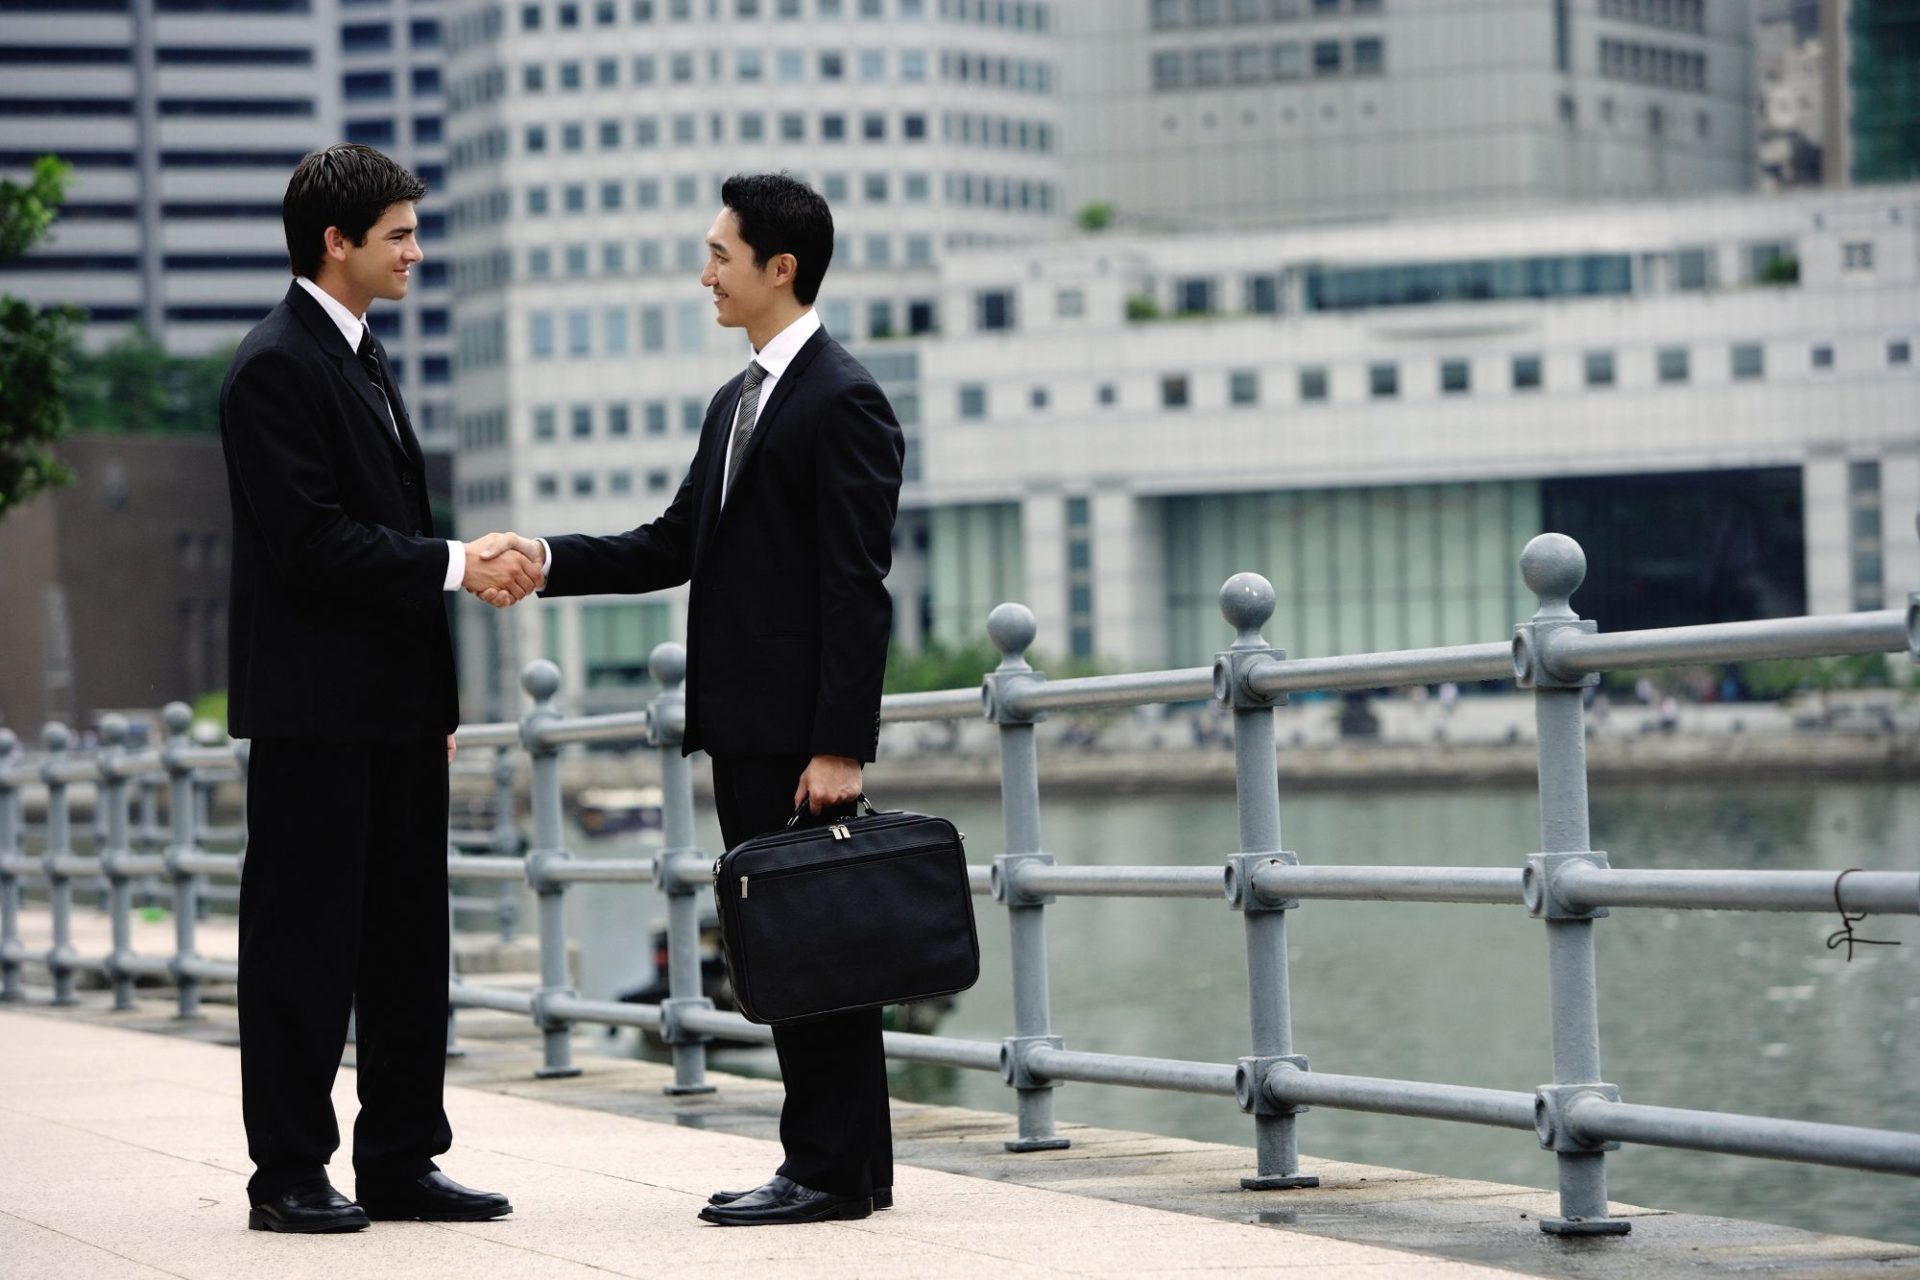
499 571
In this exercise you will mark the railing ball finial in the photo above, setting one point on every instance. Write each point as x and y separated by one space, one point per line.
541 680
1553 566
56 736
177 717
667 664
1011 628
113 730
1246 602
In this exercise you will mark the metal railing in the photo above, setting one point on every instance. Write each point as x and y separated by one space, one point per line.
1565 884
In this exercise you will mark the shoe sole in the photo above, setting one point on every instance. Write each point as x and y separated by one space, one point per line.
258 1221
469 1215
721 1197
838 1213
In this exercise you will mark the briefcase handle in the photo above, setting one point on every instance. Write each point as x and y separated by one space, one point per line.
800 811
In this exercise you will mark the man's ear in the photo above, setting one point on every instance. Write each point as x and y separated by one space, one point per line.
785 268
336 243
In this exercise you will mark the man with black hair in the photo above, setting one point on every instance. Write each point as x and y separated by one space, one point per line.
342 675
783 526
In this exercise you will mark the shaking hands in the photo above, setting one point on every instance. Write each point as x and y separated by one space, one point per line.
502 568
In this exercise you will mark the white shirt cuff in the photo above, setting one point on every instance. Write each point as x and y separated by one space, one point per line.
456 565
546 559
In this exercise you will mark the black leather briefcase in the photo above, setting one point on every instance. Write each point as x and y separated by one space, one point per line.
848 914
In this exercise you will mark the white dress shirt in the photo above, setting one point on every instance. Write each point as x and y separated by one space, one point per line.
774 358
351 328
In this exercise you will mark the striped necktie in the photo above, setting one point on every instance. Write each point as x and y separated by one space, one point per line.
743 422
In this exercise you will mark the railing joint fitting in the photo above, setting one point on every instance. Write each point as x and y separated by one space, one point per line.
1551 1120
1232 686
1541 890
1913 627
673 1028
1530 641
1016 1068
540 1007
999 690
1242 895
1005 880
539 865
1250 1078
664 865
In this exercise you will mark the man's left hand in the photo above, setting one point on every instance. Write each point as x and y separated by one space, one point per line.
828 781
451 748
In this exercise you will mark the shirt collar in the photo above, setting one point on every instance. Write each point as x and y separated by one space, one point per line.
350 325
785 345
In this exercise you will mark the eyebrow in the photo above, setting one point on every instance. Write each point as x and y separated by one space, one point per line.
717 247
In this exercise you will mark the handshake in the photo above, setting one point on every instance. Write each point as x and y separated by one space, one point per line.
502 568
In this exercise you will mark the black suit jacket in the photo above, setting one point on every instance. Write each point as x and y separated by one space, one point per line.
338 628
788 619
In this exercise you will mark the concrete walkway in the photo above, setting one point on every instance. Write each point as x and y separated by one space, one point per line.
124 1157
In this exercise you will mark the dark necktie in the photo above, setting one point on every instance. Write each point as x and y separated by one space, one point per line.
370 361
743 422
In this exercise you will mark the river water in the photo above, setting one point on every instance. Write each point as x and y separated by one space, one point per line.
1740 1012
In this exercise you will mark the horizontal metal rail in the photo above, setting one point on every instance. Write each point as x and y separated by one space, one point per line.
1033 878
941 704
1137 689
622 726
1458 663
600 870
488 735
1278 882
1569 653
1596 1119
614 1013
209 864
465 996
1127 1070
1501 1108
1881 892
471 868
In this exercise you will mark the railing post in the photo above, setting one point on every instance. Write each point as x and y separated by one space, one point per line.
506 841
148 837
56 739
1246 601
1011 628
686 988
541 680
178 718
453 978
1553 567
12 953
113 801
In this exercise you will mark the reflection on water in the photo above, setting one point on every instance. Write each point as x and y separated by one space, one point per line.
1731 1011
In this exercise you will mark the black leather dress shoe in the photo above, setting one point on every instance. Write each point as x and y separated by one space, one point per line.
882 1197
432 1197
785 1201
312 1208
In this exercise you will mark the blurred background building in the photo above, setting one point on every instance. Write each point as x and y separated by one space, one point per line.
1359 293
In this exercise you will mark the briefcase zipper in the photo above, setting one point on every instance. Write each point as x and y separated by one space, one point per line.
785 872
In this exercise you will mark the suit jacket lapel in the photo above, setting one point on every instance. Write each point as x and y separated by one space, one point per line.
796 368
328 335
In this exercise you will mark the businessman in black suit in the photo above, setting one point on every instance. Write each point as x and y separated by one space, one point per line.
342 675
783 526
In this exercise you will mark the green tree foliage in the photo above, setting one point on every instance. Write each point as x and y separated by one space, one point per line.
938 667
135 386
1780 269
33 346
1097 216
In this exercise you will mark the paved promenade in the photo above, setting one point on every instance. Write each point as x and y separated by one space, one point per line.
124 1158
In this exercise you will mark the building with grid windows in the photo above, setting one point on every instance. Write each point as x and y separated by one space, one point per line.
587 143
1248 112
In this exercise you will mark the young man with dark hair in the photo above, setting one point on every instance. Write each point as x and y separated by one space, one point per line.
342 675
783 526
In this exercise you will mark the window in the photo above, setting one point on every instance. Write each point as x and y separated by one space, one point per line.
973 401
582 422
539 262
1822 356
1527 373
613 331
1456 377
610 139
1672 364
692 415
1383 380
993 309
1313 383
583 484
619 423
1243 387
1857 255
1108 395
922 317
579 334
576 260
547 486
1194 297
1899 352
540 335
1263 295
1600 368
536 201
543 423
833 127
1369 56
1692 270
1037 398
619 482
1749 361
1326 57
1069 304
656 415
1174 392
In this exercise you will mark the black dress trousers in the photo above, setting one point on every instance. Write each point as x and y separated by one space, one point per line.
343 909
835 1126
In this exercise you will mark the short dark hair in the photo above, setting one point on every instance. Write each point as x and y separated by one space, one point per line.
346 186
779 214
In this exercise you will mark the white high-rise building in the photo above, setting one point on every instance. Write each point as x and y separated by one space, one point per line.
588 141
182 119
1252 112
